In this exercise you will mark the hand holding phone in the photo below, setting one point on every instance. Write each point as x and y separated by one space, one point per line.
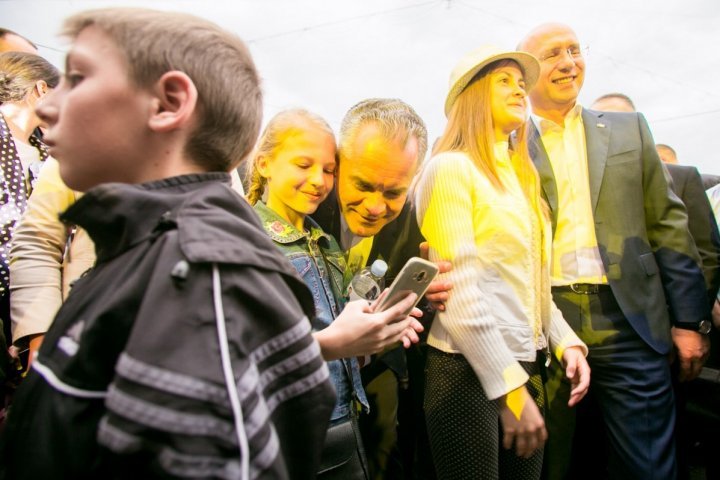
415 276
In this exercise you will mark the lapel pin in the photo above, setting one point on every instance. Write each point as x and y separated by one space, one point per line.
601 125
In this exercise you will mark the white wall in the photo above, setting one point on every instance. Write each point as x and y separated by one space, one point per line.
326 55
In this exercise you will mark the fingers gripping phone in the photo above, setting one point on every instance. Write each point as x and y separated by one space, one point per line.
415 276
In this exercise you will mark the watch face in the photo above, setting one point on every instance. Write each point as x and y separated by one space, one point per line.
704 327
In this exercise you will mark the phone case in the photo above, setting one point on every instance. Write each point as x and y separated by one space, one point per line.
415 276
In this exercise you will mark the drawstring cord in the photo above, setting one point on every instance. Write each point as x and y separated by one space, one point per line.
230 377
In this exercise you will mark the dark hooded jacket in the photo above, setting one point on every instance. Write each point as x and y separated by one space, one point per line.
189 295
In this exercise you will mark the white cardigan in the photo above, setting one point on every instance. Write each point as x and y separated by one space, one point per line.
500 309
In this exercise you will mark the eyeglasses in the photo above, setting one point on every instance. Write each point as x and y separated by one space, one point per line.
575 52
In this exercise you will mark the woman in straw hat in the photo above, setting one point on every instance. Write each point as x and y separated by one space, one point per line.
479 205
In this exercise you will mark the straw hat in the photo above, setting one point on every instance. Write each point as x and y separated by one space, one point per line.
474 61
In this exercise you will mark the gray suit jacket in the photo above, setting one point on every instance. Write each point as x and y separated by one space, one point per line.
650 258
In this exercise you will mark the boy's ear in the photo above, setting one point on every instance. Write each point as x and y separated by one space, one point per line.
174 103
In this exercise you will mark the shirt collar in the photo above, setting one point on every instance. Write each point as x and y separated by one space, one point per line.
281 231
347 238
544 125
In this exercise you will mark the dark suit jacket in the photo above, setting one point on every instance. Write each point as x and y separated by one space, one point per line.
687 184
709 180
650 259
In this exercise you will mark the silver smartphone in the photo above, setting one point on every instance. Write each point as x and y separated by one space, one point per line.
415 276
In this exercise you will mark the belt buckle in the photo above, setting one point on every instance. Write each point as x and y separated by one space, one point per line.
584 288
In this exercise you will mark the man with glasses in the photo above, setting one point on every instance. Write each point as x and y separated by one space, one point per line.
624 271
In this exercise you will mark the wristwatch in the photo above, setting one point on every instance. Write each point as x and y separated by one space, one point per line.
703 326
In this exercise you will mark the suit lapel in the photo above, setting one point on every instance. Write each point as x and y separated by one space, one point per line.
597 140
547 176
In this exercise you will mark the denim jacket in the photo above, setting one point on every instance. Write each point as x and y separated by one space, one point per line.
321 263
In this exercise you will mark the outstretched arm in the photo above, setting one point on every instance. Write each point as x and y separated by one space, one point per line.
357 331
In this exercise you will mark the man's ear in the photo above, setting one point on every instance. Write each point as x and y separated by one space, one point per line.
175 102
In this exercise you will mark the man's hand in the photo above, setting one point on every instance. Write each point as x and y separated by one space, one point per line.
522 423
577 371
357 331
692 351
716 314
439 290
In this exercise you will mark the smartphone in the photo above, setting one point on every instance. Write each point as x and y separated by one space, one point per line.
415 276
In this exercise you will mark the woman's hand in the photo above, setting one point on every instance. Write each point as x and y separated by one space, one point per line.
522 423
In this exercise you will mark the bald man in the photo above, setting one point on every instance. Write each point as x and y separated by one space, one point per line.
667 154
12 42
624 270
613 102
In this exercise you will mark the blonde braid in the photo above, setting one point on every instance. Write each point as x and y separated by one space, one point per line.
256 181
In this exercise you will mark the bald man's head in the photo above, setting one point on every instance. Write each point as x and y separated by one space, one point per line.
562 69
613 102
12 42
666 153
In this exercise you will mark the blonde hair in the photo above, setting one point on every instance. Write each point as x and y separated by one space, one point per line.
19 72
396 120
282 126
470 130
229 111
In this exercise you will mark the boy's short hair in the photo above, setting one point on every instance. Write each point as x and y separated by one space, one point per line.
229 110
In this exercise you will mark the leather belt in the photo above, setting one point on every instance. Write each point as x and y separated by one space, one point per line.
583 288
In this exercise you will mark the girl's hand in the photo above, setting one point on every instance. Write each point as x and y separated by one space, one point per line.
358 331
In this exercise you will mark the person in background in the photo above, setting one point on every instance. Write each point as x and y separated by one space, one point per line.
13 42
625 271
713 195
46 257
294 167
667 154
479 206
187 350
709 180
687 184
25 79
613 102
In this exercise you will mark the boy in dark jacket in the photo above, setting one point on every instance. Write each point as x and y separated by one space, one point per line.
186 351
